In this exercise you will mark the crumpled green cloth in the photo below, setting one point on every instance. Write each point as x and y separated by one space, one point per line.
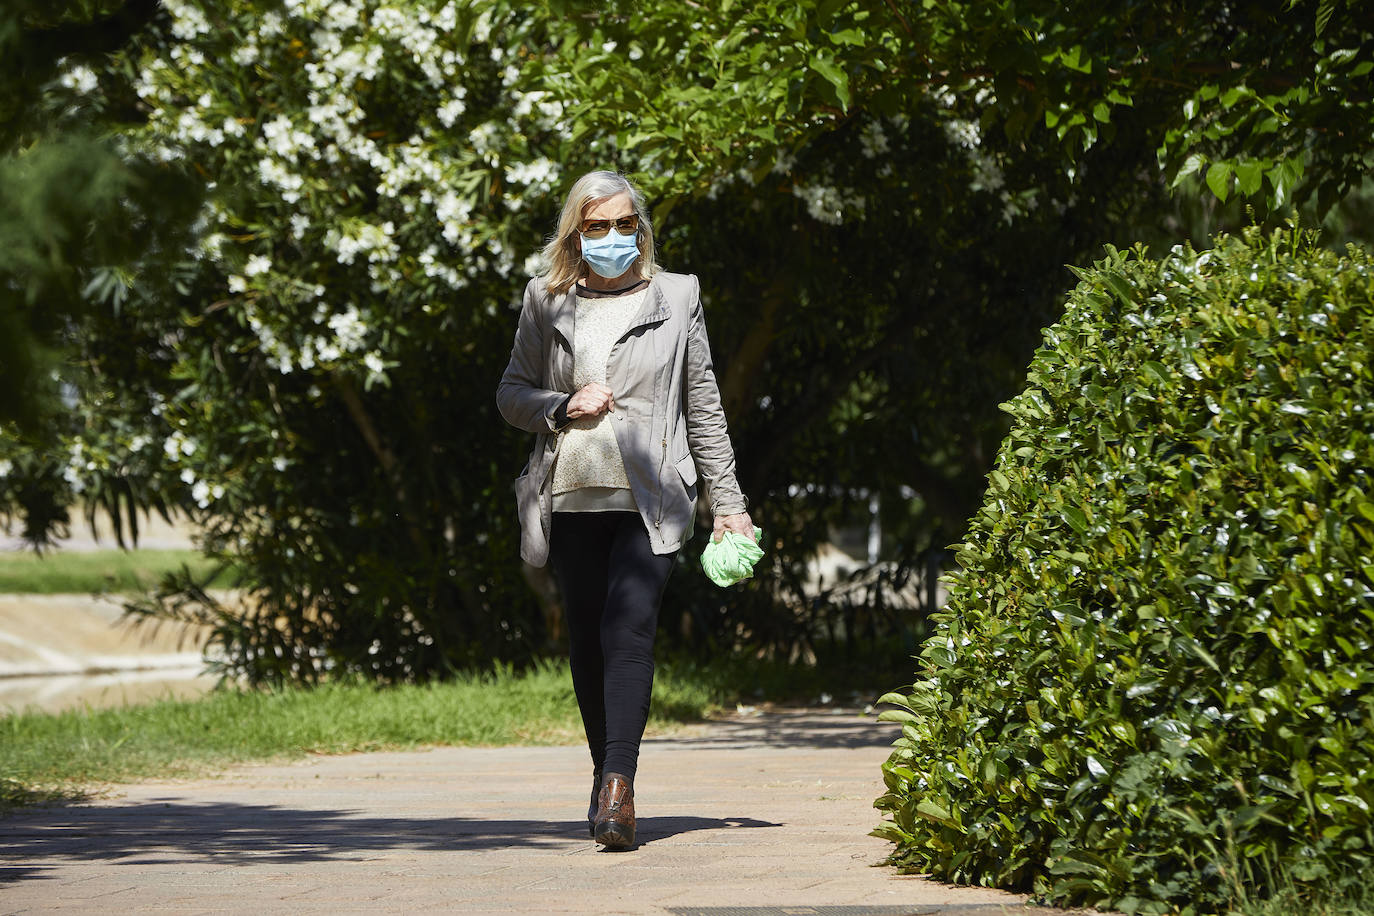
732 559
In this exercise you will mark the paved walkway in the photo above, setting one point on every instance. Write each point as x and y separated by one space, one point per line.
752 815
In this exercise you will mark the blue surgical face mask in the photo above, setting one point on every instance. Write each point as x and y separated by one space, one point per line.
611 255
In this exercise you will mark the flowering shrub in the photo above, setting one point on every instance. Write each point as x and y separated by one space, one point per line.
379 177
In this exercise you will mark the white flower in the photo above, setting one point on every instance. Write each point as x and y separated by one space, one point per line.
389 22
454 211
453 109
5 467
827 204
964 133
271 25
176 445
257 264
273 173
80 78
350 334
188 22
237 284
482 137
447 18
284 139
541 173
374 363
873 140
279 463
340 16
73 478
364 238
481 29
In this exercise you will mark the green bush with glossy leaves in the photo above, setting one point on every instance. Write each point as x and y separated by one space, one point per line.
1151 687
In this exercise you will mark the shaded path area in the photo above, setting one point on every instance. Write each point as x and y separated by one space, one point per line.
749 815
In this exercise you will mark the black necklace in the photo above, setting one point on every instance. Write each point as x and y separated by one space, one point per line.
606 293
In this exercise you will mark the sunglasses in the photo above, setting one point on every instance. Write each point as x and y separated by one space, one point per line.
598 228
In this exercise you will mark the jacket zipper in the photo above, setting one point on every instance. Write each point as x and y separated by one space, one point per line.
662 464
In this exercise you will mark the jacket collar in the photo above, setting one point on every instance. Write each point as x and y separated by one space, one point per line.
655 308
564 312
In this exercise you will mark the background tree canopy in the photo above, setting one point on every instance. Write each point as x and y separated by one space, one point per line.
284 290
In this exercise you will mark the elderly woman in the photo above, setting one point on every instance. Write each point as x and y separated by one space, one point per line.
611 370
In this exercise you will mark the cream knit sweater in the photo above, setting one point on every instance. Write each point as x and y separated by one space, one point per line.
589 456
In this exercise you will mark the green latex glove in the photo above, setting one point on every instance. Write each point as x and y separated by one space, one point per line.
732 559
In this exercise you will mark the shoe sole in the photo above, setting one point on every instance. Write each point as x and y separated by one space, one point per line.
614 836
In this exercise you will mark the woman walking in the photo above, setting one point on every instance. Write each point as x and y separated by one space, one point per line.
611 370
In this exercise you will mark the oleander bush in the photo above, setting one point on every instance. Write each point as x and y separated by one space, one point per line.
1151 687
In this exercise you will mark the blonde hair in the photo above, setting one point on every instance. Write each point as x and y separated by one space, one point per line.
562 254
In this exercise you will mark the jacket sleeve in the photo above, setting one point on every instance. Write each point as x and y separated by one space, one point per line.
707 435
520 397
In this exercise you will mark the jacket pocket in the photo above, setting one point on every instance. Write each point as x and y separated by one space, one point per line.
687 470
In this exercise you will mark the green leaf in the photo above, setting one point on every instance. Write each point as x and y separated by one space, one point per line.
1219 179
1324 11
1157 371
1190 166
898 715
931 811
849 37
1249 176
836 76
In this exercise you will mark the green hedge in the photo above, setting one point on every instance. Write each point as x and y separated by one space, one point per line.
1151 686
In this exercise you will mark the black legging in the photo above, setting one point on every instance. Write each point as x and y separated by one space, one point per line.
612 583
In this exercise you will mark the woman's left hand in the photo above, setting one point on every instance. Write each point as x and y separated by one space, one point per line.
740 523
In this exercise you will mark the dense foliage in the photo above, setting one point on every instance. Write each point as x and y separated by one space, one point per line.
72 206
1268 100
266 249
317 387
1271 100
1152 684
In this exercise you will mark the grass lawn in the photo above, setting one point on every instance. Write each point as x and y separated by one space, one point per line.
68 755
76 572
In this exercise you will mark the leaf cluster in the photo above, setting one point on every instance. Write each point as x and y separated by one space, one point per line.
1151 689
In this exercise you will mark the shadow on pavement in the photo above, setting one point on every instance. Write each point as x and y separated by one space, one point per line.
799 728
649 829
175 832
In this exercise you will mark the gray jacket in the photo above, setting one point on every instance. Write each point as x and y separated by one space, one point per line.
668 418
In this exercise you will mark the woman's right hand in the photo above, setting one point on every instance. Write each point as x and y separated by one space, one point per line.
592 399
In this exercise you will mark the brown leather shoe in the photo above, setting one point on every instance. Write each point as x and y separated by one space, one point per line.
615 813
